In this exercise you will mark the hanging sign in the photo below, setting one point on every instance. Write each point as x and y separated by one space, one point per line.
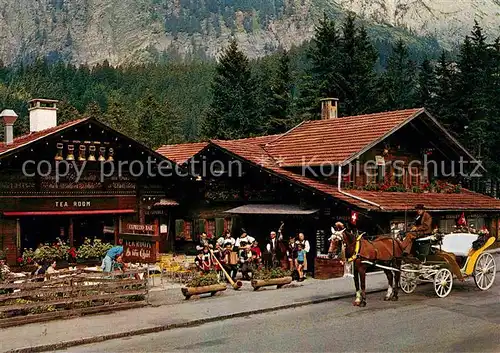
139 251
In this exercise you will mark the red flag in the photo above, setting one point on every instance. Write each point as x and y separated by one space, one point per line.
354 217
462 221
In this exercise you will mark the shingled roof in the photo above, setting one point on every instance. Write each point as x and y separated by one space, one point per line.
336 141
34 136
333 141
182 152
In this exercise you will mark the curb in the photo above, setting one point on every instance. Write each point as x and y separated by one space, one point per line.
193 323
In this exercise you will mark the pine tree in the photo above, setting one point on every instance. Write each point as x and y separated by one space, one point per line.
279 112
426 85
119 117
234 111
93 110
66 112
473 107
399 80
322 79
147 112
443 104
357 69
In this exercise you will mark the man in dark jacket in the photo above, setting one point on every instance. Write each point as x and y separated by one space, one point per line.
422 227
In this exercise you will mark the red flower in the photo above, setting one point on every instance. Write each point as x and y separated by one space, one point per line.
19 260
30 260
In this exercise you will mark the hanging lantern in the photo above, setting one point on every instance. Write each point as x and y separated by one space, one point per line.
111 152
59 155
91 153
102 152
71 153
81 156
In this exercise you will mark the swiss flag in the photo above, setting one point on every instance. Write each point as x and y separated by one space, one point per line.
354 217
461 220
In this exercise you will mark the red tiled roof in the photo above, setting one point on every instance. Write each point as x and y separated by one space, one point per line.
182 152
399 201
32 137
335 140
388 201
257 155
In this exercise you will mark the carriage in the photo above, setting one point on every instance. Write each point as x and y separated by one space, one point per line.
441 259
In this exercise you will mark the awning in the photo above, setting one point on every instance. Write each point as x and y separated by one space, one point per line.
68 213
271 209
166 203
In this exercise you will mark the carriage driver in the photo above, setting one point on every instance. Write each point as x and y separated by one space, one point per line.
422 227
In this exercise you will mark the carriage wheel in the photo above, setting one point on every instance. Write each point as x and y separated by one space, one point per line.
484 271
408 282
443 282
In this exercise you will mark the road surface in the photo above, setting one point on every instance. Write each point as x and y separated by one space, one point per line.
467 321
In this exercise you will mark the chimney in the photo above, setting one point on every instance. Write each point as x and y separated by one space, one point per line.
329 108
43 114
9 117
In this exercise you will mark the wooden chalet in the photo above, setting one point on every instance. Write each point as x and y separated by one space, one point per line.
294 177
36 207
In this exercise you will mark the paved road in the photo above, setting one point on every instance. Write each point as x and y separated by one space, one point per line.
467 321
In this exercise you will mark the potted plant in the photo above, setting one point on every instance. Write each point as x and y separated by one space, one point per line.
203 283
274 277
92 252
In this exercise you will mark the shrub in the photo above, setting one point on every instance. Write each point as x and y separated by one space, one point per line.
270 274
202 280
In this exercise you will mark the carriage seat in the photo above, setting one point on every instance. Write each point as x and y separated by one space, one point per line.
458 243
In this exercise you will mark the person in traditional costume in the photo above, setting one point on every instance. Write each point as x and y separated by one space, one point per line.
272 249
245 258
244 238
230 264
203 260
422 228
204 241
227 238
302 241
256 254
291 253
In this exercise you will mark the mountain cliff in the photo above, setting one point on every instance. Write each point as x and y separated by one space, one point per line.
127 31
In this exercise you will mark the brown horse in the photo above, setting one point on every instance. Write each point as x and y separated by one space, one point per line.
385 251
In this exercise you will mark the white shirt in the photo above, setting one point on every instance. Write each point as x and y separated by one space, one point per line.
305 245
274 241
248 239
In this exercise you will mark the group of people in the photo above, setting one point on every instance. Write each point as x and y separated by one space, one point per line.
244 254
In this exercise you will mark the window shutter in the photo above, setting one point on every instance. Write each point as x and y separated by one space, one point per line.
219 227
179 228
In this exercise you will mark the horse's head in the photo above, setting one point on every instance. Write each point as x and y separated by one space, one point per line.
336 240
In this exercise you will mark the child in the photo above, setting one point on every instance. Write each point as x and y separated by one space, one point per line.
300 261
256 253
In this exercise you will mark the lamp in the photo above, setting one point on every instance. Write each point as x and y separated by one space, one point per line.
71 153
102 151
91 153
59 156
81 156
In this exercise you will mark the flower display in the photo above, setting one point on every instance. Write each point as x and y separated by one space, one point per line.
92 249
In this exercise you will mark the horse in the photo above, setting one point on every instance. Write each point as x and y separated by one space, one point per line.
385 250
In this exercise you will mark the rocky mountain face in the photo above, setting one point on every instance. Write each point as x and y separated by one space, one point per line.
128 31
